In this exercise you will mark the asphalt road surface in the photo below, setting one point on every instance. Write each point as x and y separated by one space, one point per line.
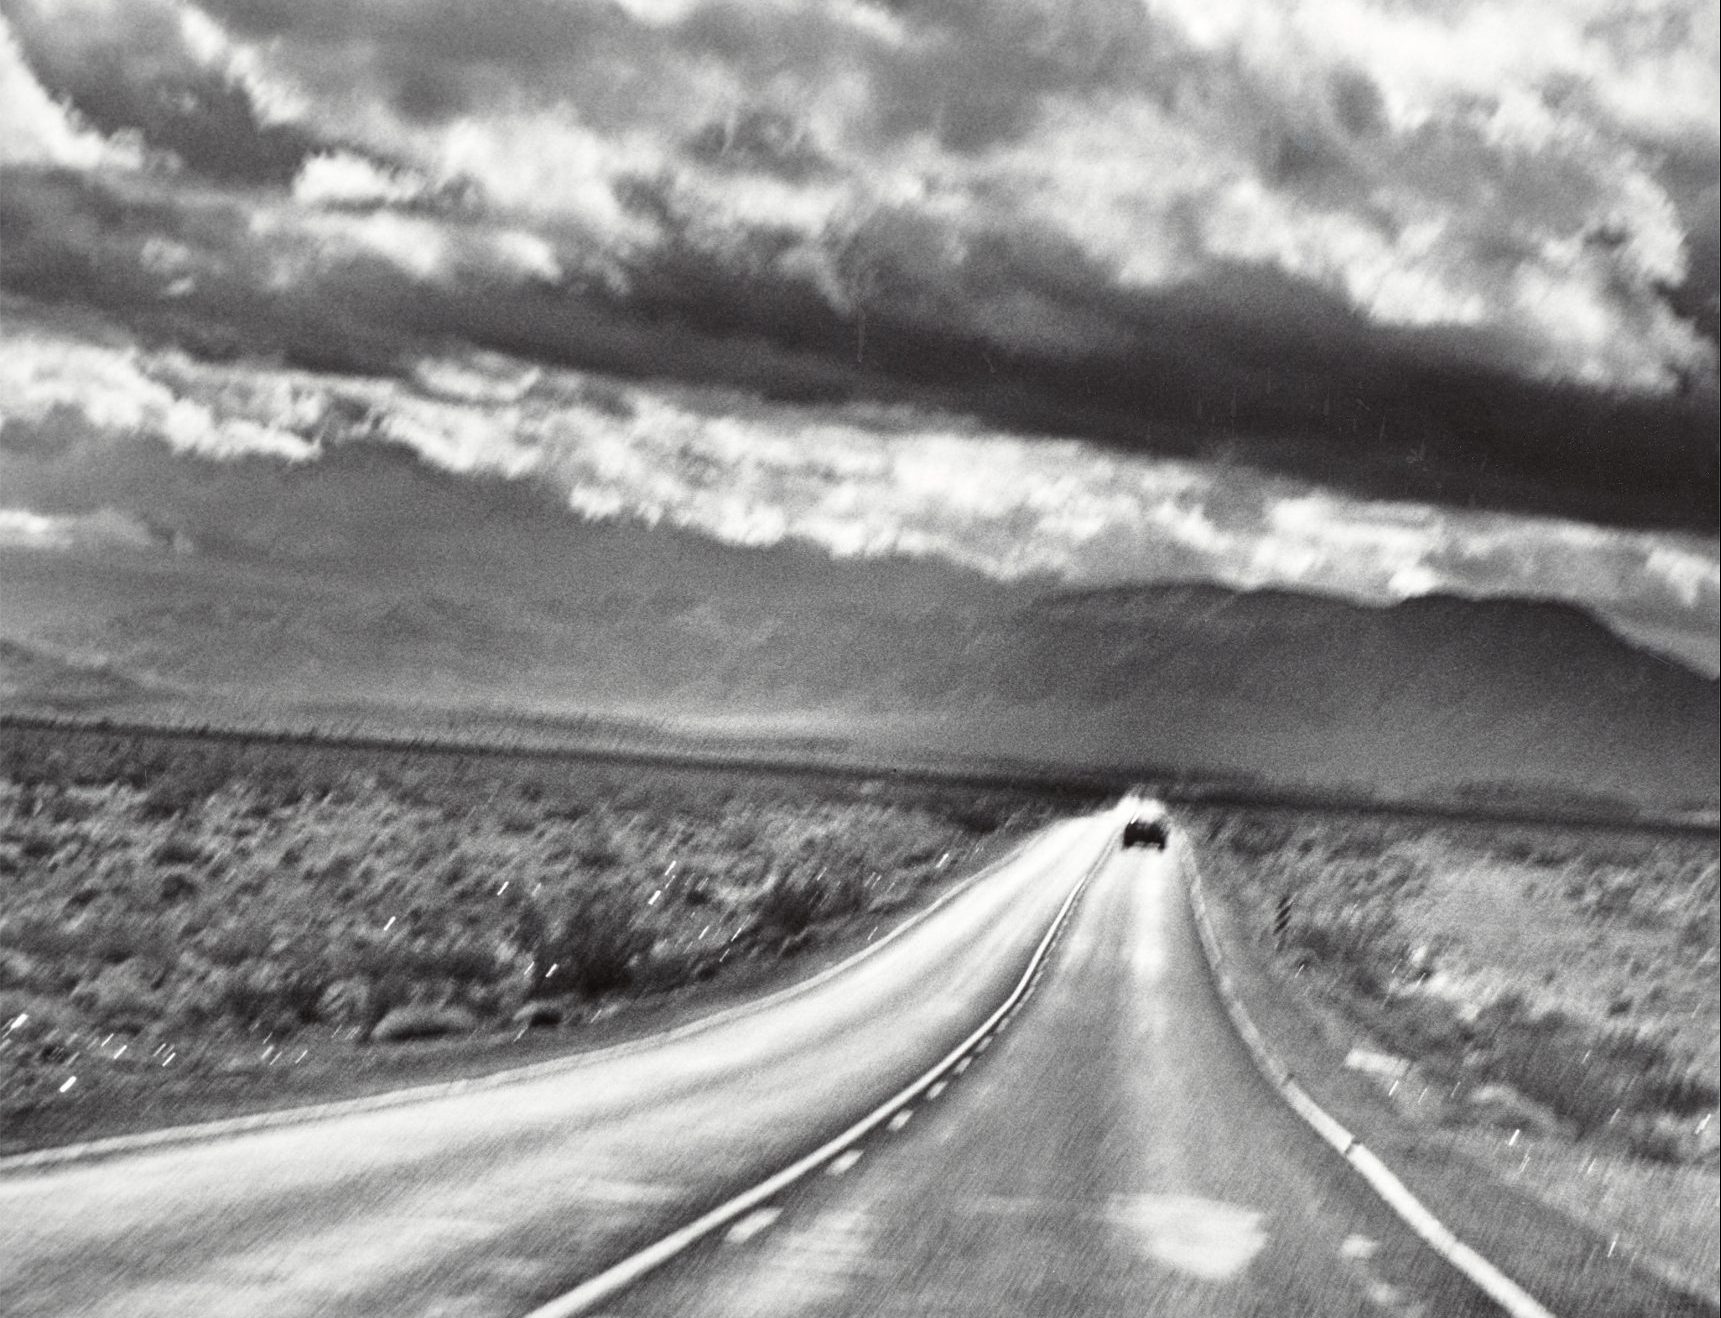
1111 1150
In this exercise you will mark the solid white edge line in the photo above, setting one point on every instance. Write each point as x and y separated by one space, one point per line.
1500 1288
619 1276
197 1132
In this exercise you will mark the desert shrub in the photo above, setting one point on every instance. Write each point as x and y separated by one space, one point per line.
1358 842
178 785
238 942
1426 1028
336 868
1656 1139
19 970
455 958
62 807
981 818
113 939
271 996
1358 936
34 1017
120 997
788 905
38 936
1255 837
586 943
179 849
1680 1088
422 1021
177 886
37 845
1700 932
674 963
537 1015
348 1000
1593 1076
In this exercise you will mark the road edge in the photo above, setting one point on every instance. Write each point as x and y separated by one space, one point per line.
113 1146
1493 1282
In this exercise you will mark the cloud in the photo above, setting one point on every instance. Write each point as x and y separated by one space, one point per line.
163 73
342 179
43 131
1490 169
45 380
1419 251
103 529
89 424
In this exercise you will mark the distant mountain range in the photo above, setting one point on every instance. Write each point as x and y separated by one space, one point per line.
892 654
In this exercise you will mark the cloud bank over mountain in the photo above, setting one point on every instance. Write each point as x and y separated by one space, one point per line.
90 429
1373 298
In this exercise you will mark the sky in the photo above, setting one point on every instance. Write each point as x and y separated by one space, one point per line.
1368 297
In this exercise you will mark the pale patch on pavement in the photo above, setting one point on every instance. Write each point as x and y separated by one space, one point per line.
1205 1237
1382 1294
314 1272
1358 1247
841 1164
760 1219
802 1268
1148 956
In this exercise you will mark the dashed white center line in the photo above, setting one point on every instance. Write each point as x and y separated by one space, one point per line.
936 1090
963 1065
751 1225
1358 1247
901 1118
984 1044
843 1162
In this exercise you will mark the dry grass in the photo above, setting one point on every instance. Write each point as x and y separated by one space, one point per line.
220 906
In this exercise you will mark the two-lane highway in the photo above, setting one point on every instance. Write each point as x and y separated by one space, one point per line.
1106 1148
1113 1152
489 1203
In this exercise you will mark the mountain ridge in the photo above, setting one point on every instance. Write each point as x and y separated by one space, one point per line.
1299 688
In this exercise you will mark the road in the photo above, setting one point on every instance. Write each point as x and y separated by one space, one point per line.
1112 1150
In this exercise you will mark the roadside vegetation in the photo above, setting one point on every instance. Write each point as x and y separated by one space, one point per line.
1559 982
174 907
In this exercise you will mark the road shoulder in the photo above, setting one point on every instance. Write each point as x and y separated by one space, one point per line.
1531 1239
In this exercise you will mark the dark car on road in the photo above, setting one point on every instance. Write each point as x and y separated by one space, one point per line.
1146 833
